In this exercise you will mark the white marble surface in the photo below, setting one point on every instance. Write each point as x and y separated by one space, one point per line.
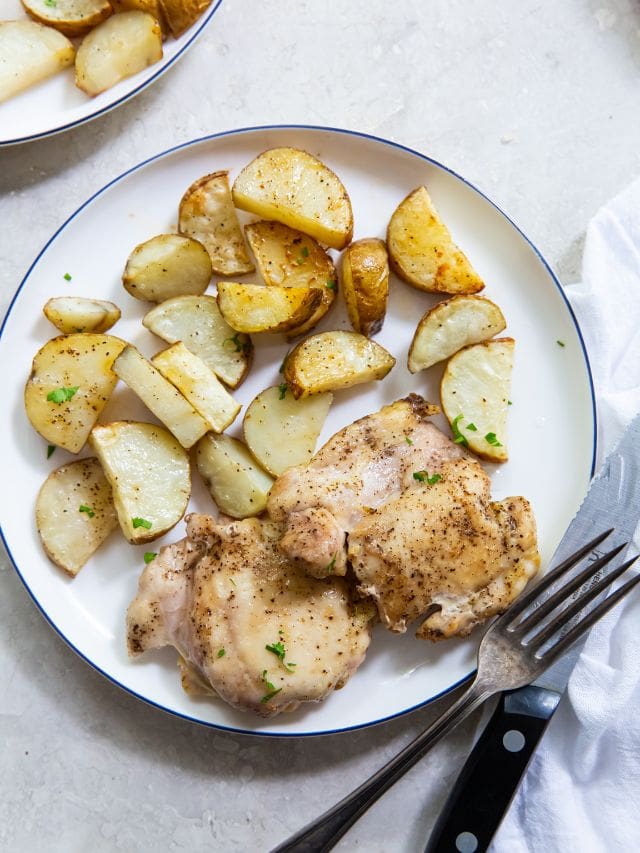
536 103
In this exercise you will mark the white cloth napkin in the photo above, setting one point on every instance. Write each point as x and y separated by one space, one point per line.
582 789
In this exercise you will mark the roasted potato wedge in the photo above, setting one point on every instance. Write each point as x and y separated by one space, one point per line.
281 431
76 314
149 474
332 360
75 513
295 188
207 214
71 381
166 266
475 396
237 483
256 308
365 284
70 17
151 6
199 385
422 252
198 323
160 396
29 53
117 48
181 14
289 258
451 325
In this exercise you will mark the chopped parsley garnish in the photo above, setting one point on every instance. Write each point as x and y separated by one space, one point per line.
282 388
231 580
407 439
50 450
141 522
268 696
331 566
459 437
87 509
278 650
240 346
149 556
423 477
472 428
303 254
51 3
270 687
491 439
221 653
62 395
331 284
66 276
561 343
509 403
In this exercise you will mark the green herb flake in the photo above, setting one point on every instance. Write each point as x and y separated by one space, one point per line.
423 477
66 276
420 475
331 566
277 649
87 509
149 556
268 696
561 343
270 687
221 653
491 439
51 449
332 284
472 428
303 254
408 440
62 395
141 522
282 388
509 403
459 437
51 3
434 479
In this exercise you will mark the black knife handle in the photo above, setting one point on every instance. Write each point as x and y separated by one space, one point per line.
492 773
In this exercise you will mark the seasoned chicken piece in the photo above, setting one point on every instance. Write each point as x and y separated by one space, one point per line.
445 550
248 625
357 470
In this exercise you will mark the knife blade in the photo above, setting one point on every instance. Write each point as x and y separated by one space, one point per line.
490 777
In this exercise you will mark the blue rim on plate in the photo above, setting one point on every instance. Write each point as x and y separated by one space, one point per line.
259 129
201 25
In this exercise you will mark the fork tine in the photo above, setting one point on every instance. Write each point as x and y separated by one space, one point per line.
524 601
562 594
597 613
577 605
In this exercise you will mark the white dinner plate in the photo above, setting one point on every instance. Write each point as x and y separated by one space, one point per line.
57 104
551 421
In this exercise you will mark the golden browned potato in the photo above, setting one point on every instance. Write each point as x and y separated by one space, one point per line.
256 308
149 475
76 314
207 214
237 483
281 431
422 251
289 258
181 14
71 381
29 53
295 188
71 17
198 323
151 6
117 48
365 284
160 396
475 396
199 385
75 513
166 266
332 360
452 325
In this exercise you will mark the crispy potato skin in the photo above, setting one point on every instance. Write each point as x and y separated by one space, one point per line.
181 14
166 266
70 17
253 308
421 251
365 284
72 314
151 6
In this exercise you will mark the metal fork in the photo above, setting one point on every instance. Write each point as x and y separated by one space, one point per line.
515 650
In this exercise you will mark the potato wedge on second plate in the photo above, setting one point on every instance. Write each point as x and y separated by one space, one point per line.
166 266
71 381
71 17
475 396
160 396
256 308
207 214
181 14
237 483
365 284
289 258
117 48
282 431
149 474
198 323
29 53
422 251
451 325
332 360
76 314
199 385
295 188
75 513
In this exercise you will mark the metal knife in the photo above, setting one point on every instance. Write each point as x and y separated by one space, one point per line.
489 779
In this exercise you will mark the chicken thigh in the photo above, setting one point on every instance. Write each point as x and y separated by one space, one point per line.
249 625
